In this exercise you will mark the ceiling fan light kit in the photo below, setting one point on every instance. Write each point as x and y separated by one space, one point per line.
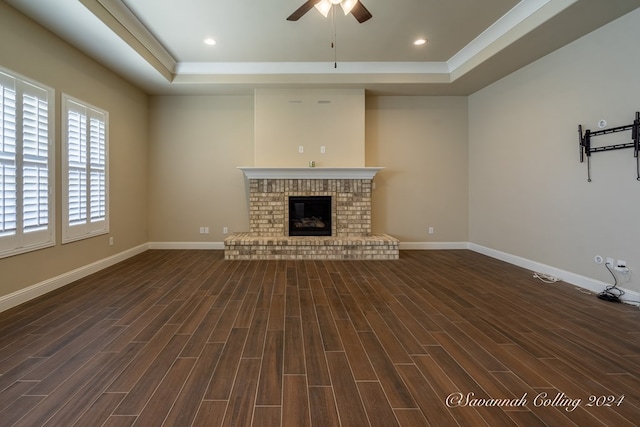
348 5
354 7
324 7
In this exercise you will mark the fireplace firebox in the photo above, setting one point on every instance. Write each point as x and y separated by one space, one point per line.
310 216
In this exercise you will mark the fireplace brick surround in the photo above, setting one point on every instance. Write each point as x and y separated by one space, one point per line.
350 204
351 237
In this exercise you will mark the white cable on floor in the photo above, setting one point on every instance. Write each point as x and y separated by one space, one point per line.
546 278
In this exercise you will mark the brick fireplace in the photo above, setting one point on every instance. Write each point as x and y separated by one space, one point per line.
269 236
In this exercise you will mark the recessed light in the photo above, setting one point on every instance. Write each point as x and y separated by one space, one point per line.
420 42
209 41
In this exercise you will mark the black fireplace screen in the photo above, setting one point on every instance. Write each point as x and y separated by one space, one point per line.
310 216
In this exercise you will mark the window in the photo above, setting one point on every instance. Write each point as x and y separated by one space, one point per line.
85 172
26 165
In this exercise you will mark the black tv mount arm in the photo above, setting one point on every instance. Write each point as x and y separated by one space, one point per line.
587 149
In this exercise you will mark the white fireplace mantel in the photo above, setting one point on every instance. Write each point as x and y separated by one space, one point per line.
252 172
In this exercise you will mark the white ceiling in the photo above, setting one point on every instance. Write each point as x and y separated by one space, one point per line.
158 44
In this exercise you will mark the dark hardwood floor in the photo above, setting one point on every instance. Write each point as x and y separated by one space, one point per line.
184 338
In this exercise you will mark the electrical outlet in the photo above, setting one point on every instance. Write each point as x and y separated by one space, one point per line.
610 262
110 240
206 230
300 149
323 149
225 230
430 230
622 266
201 230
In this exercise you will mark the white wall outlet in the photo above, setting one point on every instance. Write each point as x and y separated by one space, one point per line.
430 230
225 230
300 149
323 149
110 240
206 230
621 265
610 262
201 230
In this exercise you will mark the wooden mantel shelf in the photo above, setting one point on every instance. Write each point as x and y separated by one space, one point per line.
253 172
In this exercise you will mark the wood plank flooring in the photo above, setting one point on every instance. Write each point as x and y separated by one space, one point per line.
184 338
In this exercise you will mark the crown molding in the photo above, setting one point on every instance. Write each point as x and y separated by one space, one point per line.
122 21
249 68
520 20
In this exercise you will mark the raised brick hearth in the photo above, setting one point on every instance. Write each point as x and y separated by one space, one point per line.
351 237
245 246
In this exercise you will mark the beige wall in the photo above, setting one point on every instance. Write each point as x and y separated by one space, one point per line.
286 119
529 194
197 144
422 143
28 49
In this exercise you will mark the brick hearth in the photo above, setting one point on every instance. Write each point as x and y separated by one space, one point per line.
244 246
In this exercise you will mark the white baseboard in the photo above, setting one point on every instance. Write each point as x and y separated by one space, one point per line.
23 295
411 246
187 245
592 285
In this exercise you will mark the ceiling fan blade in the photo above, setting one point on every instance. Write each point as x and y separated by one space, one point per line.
306 7
361 13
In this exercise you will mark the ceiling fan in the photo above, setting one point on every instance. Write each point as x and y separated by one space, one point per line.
354 7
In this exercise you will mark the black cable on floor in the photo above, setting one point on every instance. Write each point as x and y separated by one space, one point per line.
611 293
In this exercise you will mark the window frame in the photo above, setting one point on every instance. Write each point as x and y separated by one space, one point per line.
83 227
41 234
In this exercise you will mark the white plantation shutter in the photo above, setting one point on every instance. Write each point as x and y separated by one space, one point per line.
86 171
77 164
98 158
26 165
8 162
35 168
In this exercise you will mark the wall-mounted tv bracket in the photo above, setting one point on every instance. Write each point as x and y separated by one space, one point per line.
587 149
